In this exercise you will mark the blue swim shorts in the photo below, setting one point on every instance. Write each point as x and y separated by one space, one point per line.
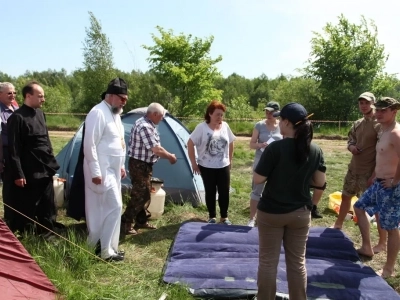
384 201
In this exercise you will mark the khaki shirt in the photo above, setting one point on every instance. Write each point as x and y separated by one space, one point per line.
364 134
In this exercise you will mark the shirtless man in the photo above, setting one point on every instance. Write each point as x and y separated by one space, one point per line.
383 196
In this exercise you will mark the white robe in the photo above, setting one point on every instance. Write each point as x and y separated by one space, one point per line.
104 150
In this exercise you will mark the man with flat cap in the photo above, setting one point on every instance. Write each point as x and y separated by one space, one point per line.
103 168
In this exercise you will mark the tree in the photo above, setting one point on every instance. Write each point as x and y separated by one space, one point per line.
239 109
234 86
261 93
301 90
98 64
345 60
183 66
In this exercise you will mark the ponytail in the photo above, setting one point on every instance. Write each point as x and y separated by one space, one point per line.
302 138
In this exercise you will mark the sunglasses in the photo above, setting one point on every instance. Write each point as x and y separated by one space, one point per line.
123 99
11 93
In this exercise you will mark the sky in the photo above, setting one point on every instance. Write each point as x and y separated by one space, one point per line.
254 37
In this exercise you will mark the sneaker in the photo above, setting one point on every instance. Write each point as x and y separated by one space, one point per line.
315 214
226 222
251 223
212 221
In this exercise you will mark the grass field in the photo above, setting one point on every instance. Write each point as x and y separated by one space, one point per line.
79 275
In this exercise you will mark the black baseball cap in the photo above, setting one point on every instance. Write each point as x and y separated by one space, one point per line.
294 112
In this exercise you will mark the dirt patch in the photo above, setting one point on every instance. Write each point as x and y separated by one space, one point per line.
66 134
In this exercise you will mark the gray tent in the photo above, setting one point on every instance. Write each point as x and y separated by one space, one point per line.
179 181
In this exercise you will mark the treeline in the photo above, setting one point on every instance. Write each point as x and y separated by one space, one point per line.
346 59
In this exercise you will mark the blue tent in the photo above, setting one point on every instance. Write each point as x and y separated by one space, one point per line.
179 181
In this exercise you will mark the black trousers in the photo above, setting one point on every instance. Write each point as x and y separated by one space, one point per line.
7 185
36 201
216 180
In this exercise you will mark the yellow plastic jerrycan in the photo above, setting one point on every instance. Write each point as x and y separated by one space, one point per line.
335 200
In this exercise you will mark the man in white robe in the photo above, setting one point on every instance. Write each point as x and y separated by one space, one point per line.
103 166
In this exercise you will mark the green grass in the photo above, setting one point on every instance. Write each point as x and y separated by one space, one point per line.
79 275
64 122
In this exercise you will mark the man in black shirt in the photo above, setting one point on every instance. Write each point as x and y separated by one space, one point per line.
32 163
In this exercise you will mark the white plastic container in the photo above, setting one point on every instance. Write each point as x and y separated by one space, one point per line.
58 185
156 207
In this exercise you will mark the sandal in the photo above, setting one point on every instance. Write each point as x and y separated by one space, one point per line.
226 221
127 229
145 225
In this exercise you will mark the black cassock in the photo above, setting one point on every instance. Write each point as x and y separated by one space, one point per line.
31 157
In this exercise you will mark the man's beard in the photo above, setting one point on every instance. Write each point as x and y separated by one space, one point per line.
116 110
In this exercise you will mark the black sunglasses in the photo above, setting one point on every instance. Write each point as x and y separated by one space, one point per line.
11 93
123 99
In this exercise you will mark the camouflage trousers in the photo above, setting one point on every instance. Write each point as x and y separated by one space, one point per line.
136 211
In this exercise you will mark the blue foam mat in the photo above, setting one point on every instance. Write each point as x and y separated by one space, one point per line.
221 261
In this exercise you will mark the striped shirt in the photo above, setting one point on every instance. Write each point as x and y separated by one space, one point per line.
144 136
5 114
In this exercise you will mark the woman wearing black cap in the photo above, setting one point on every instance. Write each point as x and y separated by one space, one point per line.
289 167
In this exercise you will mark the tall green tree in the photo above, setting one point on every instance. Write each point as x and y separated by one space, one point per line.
345 60
234 86
98 65
261 93
302 90
182 65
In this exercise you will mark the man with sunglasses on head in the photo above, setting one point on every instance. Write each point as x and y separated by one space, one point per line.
7 106
383 196
103 167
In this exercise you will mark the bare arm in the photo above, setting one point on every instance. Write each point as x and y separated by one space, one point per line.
395 141
161 152
254 144
231 147
192 157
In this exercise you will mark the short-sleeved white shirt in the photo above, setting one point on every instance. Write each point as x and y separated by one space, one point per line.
212 146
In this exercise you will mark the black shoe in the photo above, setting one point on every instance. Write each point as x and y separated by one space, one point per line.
114 257
315 213
97 250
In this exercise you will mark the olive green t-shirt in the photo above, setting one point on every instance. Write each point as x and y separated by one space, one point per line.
287 187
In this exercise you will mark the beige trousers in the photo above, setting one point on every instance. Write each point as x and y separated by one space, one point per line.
291 228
